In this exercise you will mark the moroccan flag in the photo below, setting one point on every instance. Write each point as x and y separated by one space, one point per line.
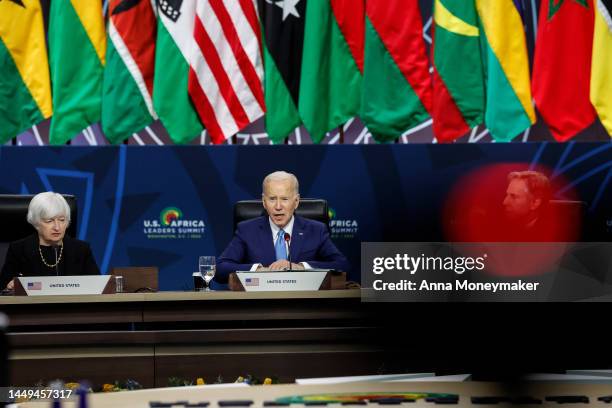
396 81
77 44
170 84
601 66
458 82
25 90
127 104
330 85
562 66
283 40
225 80
509 110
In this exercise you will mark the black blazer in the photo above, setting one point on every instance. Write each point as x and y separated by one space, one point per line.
23 257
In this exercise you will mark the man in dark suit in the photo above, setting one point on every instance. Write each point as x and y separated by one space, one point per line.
265 242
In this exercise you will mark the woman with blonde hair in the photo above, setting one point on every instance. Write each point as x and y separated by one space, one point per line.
49 251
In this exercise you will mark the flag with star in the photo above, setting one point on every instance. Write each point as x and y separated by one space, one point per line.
127 104
283 40
562 66
332 64
25 88
601 73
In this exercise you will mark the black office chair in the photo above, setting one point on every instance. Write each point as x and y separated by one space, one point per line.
13 212
312 208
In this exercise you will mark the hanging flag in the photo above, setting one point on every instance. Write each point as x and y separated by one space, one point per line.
601 66
396 81
225 80
458 82
509 110
562 66
283 39
127 102
77 44
170 84
330 84
25 90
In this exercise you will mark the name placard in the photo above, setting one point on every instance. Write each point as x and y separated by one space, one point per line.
282 281
63 285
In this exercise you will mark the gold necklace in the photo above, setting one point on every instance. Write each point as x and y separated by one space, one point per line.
58 259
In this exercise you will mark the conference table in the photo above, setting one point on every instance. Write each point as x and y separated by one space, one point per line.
151 337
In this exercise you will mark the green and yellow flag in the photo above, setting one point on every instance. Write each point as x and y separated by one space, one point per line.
25 91
77 45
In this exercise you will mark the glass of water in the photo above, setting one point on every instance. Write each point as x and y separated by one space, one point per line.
207 269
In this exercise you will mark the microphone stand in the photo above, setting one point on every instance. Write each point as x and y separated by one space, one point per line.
287 240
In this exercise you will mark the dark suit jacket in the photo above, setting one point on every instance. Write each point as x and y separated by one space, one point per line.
253 243
23 257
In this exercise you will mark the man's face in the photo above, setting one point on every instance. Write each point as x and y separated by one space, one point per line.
280 201
519 202
51 230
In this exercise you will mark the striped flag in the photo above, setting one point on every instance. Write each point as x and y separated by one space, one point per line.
225 80
25 89
283 43
77 46
601 66
127 104
330 85
396 81
509 110
170 84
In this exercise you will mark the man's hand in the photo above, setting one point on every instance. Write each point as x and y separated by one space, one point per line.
10 285
279 265
283 265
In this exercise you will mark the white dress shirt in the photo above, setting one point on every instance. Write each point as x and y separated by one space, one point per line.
289 230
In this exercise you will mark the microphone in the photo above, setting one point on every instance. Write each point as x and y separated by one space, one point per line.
287 239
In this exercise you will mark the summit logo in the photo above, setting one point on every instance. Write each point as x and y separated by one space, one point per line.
342 228
172 225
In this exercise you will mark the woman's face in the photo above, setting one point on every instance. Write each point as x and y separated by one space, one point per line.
51 230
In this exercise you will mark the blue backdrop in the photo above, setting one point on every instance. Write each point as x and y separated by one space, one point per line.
376 192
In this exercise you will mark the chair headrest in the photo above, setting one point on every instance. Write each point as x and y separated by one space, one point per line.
311 208
13 212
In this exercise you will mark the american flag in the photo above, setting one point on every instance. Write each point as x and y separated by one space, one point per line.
34 285
252 281
226 75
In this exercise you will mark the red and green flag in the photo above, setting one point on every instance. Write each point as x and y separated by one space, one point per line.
562 66
77 46
25 89
396 81
127 104
331 81
509 109
458 78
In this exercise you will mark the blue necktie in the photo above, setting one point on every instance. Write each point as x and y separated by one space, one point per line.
279 247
